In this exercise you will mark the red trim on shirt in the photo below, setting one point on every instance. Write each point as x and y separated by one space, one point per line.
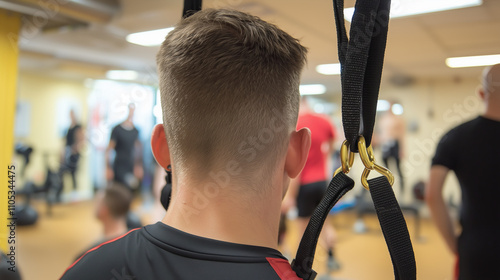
97 247
283 269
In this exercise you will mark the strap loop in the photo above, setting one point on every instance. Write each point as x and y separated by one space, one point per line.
302 264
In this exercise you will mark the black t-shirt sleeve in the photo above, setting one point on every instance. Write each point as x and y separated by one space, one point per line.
446 151
114 134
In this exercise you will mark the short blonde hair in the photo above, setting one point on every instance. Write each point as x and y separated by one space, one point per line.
228 79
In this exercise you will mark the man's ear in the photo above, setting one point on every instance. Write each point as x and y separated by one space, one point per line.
159 146
480 92
298 149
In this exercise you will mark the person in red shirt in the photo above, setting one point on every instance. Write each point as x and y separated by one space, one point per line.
308 189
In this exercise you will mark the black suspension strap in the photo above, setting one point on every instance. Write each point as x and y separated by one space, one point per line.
394 229
302 264
361 59
191 7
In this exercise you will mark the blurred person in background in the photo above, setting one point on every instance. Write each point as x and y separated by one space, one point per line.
111 207
308 189
391 131
71 154
126 167
472 152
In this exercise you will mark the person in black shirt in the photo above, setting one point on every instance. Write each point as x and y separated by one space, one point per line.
71 153
471 150
229 86
126 167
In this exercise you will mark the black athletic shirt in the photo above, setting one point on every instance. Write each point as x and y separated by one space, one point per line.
71 135
125 141
161 252
472 151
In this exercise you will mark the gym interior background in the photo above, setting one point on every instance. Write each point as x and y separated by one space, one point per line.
74 55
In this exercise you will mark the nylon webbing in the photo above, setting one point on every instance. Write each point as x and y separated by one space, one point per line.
302 264
191 7
394 229
361 58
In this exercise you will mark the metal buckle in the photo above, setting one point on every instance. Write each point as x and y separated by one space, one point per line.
346 158
368 159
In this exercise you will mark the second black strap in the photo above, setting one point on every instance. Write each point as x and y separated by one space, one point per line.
302 264
361 58
394 229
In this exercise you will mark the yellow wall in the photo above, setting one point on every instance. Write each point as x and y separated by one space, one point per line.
43 94
9 27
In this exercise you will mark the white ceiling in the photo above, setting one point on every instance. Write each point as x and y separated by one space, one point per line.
417 46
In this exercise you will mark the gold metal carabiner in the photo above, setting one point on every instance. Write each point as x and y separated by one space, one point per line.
366 154
346 158
368 159
380 169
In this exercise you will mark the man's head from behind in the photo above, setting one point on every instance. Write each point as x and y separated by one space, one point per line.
229 88
491 82
113 203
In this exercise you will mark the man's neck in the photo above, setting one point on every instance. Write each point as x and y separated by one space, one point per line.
225 216
492 112
127 124
114 228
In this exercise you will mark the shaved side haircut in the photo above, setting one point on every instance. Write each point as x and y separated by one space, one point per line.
229 85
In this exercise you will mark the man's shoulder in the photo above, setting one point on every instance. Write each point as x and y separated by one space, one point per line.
462 129
104 260
161 250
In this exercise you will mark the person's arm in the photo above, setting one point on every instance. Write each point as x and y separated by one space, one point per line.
402 138
109 169
79 140
138 169
438 208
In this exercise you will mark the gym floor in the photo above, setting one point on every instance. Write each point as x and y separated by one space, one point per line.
46 249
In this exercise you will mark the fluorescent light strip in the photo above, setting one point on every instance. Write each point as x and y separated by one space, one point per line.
473 61
404 8
127 75
328 69
149 38
312 89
